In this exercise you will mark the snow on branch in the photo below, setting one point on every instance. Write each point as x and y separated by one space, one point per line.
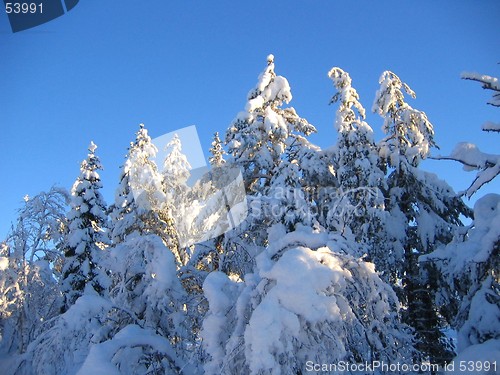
491 127
488 83
468 154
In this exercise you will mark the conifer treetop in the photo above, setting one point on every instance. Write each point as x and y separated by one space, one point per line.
410 134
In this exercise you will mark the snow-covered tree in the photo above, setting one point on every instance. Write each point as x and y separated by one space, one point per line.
10 289
40 227
139 327
66 340
31 263
139 195
176 210
340 311
87 235
176 167
258 136
122 211
470 268
410 135
207 255
257 140
424 211
148 293
217 152
357 209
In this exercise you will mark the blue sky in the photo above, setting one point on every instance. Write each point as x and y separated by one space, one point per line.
103 68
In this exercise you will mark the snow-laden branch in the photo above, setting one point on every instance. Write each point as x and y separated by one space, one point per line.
491 127
487 83
469 155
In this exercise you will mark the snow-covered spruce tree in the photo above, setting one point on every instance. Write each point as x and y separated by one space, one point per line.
217 152
258 136
88 234
122 211
208 254
424 211
147 297
470 268
31 264
140 194
176 208
357 210
340 311
256 141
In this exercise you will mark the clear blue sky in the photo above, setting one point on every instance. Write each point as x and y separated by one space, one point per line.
106 66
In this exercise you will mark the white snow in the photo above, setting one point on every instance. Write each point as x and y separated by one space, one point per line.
491 126
488 165
4 263
221 293
102 357
491 81
480 359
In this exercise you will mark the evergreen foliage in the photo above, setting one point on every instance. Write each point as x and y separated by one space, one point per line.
87 235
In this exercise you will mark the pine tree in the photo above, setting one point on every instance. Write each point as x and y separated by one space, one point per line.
147 293
217 152
259 135
256 140
358 210
424 211
139 197
469 270
176 211
87 236
122 221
